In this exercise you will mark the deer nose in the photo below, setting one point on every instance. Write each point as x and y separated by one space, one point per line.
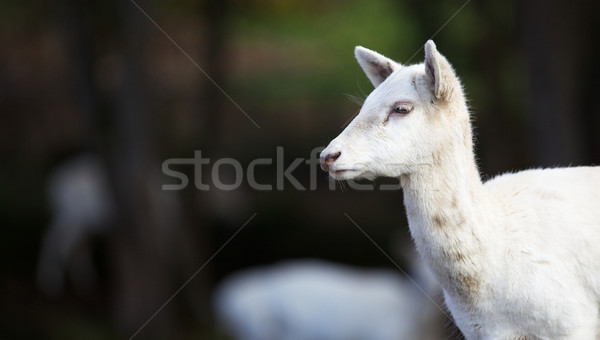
327 160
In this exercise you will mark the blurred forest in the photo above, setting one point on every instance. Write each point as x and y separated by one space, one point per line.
101 78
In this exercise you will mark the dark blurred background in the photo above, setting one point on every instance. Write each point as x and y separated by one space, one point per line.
98 79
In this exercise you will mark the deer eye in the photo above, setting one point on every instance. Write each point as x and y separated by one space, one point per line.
402 109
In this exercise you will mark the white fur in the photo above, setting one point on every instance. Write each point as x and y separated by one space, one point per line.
519 256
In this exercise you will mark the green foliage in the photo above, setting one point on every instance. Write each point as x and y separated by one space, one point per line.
319 42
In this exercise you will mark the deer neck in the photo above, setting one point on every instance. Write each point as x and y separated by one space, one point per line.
447 209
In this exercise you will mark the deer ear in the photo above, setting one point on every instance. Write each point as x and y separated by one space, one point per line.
376 66
440 72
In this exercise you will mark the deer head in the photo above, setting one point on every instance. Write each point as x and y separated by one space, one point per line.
412 115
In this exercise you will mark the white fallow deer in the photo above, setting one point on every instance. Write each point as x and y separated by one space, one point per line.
518 257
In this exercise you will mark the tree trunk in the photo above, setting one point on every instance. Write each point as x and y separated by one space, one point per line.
553 46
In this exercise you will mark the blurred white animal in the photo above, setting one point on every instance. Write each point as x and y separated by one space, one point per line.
314 300
80 201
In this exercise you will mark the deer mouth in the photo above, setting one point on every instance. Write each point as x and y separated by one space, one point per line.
343 174
339 172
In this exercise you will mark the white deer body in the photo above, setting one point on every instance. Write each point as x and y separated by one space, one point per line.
519 256
308 300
